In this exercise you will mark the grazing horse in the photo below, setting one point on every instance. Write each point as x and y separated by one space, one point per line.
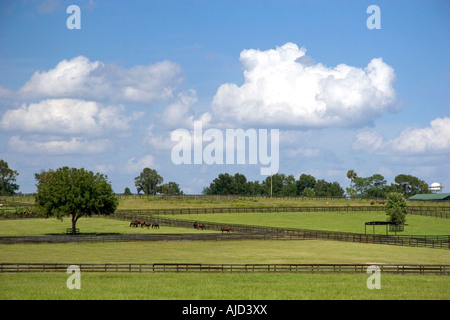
142 223
195 225
147 224
155 225
134 223
200 226
227 229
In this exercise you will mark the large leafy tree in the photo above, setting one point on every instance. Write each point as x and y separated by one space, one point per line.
171 188
74 192
8 176
371 187
328 189
280 185
148 181
305 181
411 185
224 184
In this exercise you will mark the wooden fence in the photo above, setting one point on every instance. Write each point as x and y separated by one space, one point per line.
240 232
439 242
148 237
430 211
225 268
437 211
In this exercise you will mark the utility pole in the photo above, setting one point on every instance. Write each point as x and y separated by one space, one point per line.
271 184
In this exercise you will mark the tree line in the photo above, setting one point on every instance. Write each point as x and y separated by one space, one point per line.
276 185
307 185
149 182
376 186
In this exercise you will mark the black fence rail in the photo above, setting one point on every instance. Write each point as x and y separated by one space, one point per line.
254 209
436 211
232 197
148 237
430 211
224 268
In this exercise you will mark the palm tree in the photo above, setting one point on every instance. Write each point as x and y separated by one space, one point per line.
351 174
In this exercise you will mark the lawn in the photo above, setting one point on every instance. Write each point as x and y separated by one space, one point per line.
248 251
190 286
330 221
42 226
52 286
254 251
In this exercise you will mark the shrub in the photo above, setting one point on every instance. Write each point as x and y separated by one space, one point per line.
396 208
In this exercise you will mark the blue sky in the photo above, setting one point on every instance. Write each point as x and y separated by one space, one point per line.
106 96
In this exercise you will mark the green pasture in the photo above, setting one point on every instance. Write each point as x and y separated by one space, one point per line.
254 251
223 286
330 221
87 225
192 286
245 251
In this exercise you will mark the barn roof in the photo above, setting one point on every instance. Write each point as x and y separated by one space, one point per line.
431 196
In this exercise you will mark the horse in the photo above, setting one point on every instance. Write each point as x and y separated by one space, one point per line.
146 224
195 225
134 223
200 226
227 229
155 225
142 223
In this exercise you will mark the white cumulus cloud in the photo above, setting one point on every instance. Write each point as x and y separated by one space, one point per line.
283 88
60 146
368 141
94 80
433 139
138 164
66 116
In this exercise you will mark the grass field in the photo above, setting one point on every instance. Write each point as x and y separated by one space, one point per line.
331 221
248 251
223 286
52 286
23 227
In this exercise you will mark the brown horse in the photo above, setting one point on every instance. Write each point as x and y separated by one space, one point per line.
227 229
142 223
155 225
134 223
147 224
200 226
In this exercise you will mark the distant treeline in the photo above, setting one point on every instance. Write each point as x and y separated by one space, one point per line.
276 185
306 185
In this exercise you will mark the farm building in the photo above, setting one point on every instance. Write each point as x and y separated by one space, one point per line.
431 197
